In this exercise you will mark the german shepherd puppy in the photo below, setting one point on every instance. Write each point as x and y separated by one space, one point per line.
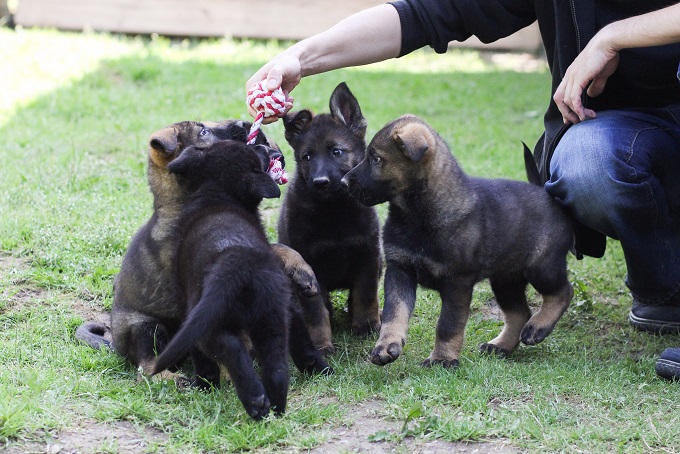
447 231
231 281
144 313
335 234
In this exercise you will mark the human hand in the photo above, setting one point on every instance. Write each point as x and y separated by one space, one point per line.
283 71
590 70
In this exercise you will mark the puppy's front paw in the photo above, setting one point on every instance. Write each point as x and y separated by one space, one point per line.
445 363
257 407
532 335
492 349
382 354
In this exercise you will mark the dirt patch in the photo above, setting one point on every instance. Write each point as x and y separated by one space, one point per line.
96 437
366 421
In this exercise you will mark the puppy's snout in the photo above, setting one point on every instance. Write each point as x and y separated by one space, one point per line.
344 183
321 182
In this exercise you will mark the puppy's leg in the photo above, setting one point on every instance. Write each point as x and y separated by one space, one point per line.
511 297
455 296
307 358
301 274
140 342
309 293
317 319
206 371
228 349
363 298
400 298
550 280
542 323
270 342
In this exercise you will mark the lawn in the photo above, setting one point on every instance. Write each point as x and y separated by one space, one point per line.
76 112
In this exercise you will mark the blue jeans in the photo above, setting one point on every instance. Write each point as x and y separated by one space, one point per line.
619 174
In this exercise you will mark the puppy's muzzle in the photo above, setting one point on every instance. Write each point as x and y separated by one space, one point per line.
321 182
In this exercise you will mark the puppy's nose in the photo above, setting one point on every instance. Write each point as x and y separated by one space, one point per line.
344 183
321 182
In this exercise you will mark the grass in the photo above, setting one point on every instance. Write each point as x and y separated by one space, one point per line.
75 116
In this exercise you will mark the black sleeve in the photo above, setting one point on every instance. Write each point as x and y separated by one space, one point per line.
437 22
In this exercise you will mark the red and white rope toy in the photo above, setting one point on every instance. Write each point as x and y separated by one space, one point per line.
267 104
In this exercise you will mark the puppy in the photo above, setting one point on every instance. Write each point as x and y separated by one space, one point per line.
447 231
335 234
230 280
144 313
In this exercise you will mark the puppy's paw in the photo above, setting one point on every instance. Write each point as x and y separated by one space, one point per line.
532 335
317 365
257 407
365 328
327 350
495 350
298 269
445 363
382 354
304 282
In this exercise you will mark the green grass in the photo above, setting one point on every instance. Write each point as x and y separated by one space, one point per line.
75 116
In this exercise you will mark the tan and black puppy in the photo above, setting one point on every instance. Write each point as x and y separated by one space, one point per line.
231 282
144 313
334 233
447 231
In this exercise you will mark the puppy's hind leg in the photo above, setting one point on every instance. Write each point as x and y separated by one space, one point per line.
317 321
206 371
554 304
307 358
511 298
228 349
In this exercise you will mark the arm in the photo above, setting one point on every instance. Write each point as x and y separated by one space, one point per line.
600 58
366 37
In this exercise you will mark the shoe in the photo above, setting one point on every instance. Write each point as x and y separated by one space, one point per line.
668 364
655 318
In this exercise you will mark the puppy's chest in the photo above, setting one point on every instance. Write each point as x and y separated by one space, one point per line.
421 251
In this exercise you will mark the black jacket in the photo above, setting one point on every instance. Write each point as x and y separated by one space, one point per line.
644 78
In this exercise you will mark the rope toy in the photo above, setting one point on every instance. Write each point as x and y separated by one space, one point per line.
267 104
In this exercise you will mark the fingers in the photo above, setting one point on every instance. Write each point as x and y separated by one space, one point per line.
561 100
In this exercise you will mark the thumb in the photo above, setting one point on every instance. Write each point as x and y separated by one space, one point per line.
274 79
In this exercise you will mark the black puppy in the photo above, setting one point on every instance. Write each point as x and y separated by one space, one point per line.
335 234
145 311
447 231
232 283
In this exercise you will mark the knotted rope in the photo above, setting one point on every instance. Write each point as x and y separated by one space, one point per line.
267 104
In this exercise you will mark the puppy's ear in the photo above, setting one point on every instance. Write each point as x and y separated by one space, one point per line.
162 145
262 186
295 124
188 159
414 139
345 107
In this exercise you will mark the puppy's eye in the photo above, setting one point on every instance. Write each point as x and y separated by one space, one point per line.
336 152
204 132
375 159
306 157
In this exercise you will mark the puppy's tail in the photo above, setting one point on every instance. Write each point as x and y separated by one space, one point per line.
207 315
533 175
94 334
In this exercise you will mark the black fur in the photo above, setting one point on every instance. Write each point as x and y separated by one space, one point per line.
232 283
335 234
